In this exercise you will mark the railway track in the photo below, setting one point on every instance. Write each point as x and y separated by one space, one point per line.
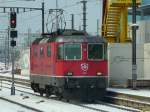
111 98
22 105
97 107
78 104
137 102
24 82
6 84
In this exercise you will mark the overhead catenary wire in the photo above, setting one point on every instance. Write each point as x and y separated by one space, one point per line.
65 7
33 17
61 20
16 1
8 1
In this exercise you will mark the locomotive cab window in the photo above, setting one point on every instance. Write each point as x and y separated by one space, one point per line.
95 51
48 51
72 51
60 51
41 52
35 52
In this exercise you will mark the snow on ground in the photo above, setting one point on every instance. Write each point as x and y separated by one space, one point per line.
9 107
138 92
109 109
50 105
7 72
97 106
3 69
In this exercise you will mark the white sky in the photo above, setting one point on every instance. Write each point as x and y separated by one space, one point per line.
33 19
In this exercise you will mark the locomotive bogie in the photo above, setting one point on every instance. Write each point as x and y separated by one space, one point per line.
79 87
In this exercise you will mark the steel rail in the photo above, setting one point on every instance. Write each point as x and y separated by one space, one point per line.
143 106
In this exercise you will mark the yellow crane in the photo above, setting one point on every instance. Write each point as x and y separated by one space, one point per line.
115 20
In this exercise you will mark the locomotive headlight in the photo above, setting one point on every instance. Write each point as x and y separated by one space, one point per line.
98 73
69 73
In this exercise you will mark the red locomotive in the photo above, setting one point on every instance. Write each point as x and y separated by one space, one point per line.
69 63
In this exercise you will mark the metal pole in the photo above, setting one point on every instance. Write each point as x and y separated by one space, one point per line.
5 51
134 65
84 15
29 37
43 17
57 25
12 58
13 82
97 27
72 21
8 44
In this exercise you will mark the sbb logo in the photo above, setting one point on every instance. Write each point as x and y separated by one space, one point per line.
84 67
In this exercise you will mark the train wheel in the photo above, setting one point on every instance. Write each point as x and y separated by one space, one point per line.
41 92
67 100
60 97
47 92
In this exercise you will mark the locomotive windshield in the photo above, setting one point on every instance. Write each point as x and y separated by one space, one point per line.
69 51
72 51
95 51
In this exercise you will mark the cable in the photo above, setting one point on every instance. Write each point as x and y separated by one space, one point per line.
15 1
72 5
8 1
33 17
47 23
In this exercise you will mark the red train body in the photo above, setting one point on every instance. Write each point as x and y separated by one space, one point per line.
71 62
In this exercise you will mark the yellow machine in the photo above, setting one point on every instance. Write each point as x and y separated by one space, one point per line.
115 20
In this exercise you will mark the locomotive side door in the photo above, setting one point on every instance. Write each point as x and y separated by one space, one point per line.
41 60
53 59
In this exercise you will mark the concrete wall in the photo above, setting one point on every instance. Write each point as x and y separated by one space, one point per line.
141 36
143 33
147 61
25 62
120 63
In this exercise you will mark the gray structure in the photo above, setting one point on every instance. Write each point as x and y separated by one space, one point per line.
120 55
143 11
143 21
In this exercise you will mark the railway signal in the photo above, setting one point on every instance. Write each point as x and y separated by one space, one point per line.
13 43
13 21
13 34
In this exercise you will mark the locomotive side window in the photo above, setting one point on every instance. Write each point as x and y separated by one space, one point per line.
35 52
41 52
95 51
48 51
60 51
72 51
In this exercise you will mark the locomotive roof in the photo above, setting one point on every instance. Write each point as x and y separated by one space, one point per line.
69 36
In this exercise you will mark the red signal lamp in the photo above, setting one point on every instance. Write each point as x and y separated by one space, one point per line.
13 19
